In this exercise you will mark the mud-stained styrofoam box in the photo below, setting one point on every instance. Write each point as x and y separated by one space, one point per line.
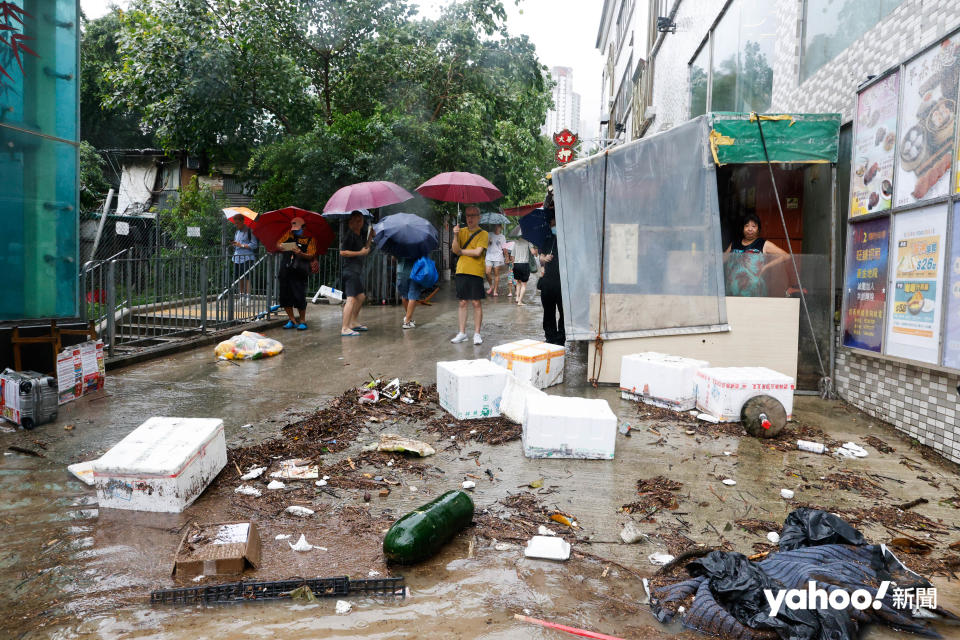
562 427
516 394
539 363
162 465
722 391
471 388
660 379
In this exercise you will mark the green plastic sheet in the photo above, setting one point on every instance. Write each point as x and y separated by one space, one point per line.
798 137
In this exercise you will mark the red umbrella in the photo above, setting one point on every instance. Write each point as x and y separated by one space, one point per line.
459 186
269 227
366 195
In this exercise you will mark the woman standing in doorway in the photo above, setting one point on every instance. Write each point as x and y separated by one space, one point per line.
750 258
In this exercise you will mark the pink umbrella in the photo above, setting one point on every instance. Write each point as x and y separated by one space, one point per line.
366 195
459 186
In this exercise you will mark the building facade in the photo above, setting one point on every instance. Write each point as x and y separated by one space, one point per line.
625 37
39 138
891 68
565 113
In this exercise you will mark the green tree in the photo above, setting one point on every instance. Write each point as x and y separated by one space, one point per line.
93 183
197 206
105 123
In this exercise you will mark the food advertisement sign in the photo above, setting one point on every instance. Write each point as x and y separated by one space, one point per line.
927 113
871 185
913 328
865 286
951 348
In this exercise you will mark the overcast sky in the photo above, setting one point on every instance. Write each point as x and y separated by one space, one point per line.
563 31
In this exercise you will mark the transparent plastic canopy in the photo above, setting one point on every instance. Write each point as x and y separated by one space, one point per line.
658 268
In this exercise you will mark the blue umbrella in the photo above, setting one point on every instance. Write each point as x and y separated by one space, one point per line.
404 235
535 228
343 216
494 218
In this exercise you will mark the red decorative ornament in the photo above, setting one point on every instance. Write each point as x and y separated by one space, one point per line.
565 138
565 155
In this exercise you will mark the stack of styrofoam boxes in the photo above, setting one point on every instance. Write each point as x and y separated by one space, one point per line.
471 388
562 427
660 379
162 465
539 363
722 391
516 394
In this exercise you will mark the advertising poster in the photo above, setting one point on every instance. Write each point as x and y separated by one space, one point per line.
951 347
916 275
80 370
871 185
927 113
865 284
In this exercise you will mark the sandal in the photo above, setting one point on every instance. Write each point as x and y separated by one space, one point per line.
289 325
348 334
360 327
302 326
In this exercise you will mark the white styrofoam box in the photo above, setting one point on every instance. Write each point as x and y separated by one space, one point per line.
539 363
516 394
660 379
162 465
562 427
722 391
471 388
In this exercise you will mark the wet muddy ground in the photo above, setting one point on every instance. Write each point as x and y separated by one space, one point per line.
69 569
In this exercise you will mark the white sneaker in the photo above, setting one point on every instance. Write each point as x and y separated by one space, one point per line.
477 339
409 325
460 337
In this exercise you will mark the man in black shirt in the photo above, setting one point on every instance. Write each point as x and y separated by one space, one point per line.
549 287
354 246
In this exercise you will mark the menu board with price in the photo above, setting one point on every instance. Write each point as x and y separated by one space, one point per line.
865 284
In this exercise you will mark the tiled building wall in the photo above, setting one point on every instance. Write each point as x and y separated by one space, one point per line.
922 403
910 27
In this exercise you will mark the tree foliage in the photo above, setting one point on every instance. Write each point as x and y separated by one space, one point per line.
93 183
324 93
196 206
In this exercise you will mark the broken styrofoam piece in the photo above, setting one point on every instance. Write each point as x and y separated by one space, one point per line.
83 471
706 417
812 447
343 607
855 450
728 453
660 379
247 490
660 559
303 512
543 531
729 482
199 578
631 533
254 473
321 483
295 469
392 442
413 489
773 537
301 544
282 536
786 494
469 484
503 546
275 484
547 548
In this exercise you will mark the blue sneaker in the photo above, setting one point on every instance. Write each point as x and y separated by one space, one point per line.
302 326
289 325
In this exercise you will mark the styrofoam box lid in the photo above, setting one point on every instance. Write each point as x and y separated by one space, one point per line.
481 367
159 446
543 348
744 374
666 359
563 406
510 346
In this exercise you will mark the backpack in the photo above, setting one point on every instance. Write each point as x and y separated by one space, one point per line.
424 272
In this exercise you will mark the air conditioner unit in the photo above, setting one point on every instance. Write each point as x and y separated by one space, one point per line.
193 162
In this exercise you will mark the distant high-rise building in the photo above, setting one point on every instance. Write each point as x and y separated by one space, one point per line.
566 103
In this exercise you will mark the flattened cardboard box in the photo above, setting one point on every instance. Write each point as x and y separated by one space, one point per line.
223 548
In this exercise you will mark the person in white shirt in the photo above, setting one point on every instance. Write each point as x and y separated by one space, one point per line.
495 259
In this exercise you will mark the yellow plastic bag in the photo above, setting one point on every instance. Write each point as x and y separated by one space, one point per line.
248 346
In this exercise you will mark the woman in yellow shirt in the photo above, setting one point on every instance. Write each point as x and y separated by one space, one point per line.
471 245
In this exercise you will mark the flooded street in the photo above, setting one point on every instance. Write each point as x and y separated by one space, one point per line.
69 570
